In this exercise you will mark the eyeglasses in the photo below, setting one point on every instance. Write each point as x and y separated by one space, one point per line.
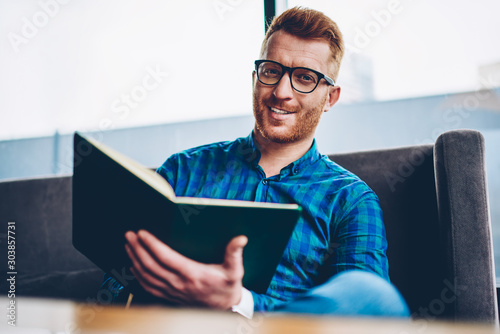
302 79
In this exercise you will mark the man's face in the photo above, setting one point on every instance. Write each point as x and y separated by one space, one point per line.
282 114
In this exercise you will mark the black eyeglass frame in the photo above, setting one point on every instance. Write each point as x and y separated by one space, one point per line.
290 70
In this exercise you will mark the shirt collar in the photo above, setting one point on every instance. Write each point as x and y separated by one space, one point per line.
311 156
248 151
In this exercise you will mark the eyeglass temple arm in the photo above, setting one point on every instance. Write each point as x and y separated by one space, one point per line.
329 80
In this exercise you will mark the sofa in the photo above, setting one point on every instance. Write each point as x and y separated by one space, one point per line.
435 209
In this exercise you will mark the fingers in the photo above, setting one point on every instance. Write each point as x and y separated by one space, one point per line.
144 265
152 276
155 291
165 273
169 258
233 260
170 294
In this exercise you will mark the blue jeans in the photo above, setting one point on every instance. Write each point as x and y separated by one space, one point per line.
351 293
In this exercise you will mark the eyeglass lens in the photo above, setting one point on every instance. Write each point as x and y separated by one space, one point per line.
303 79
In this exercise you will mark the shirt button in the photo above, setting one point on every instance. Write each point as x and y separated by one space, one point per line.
264 182
296 170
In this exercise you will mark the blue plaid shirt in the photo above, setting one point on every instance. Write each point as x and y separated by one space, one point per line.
341 226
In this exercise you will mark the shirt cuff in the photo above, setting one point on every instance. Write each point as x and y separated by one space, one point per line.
245 307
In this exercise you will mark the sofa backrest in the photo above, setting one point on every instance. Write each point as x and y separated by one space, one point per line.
47 265
403 179
435 204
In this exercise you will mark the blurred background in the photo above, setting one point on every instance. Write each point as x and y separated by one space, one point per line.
150 78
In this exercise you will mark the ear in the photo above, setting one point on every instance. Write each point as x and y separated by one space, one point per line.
253 77
332 98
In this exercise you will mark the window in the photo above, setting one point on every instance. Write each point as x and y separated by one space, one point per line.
432 64
400 49
94 65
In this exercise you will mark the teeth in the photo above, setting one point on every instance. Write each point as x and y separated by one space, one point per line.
282 112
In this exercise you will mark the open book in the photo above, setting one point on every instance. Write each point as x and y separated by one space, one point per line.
113 194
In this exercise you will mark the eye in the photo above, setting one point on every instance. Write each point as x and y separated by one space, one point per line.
305 76
271 72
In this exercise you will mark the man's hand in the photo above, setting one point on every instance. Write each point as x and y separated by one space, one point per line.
167 274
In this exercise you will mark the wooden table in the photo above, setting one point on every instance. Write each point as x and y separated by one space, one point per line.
45 316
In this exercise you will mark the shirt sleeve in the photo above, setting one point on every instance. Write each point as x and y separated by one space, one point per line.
246 305
357 242
169 170
112 289
360 240
264 303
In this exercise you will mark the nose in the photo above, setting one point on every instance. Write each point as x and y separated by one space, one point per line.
283 90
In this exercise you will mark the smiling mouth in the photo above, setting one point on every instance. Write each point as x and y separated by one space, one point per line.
279 111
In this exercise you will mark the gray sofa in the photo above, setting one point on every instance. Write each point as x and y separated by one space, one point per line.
46 262
435 210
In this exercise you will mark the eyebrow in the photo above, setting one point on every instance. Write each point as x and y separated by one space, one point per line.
301 66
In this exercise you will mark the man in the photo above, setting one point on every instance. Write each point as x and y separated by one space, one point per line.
335 261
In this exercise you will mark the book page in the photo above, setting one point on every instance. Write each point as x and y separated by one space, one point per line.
153 179
158 183
234 203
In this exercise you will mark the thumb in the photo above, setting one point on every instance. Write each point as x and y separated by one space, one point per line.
233 259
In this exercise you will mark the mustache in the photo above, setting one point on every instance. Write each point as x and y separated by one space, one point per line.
274 103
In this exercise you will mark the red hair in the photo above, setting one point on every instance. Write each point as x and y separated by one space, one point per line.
310 24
